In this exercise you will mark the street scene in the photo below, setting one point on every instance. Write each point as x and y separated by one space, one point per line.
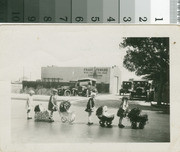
92 95
157 128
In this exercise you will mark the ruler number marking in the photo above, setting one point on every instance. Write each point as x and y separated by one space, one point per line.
31 18
15 16
158 19
95 19
64 18
47 18
142 19
126 19
79 19
110 19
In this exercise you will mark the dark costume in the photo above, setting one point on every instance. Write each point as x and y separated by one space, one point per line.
90 105
136 117
50 104
121 113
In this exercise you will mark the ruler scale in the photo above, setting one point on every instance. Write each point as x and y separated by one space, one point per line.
90 11
95 11
160 16
3 10
142 11
15 11
127 11
31 11
63 10
110 11
178 12
173 11
46 11
79 11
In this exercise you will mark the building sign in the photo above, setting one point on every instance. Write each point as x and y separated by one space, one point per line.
96 72
66 74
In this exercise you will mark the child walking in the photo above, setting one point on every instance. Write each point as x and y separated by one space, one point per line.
52 105
90 108
29 104
123 110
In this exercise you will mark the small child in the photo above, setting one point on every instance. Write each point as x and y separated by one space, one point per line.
123 110
52 105
90 108
29 104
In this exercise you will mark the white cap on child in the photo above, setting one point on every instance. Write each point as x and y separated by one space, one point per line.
93 94
31 92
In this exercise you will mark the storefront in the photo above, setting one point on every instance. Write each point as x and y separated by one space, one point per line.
105 76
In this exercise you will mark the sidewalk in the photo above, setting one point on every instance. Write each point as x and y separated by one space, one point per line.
60 98
109 100
102 97
45 97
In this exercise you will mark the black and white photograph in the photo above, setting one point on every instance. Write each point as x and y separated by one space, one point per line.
87 85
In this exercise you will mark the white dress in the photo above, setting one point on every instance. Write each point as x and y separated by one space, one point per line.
125 106
29 102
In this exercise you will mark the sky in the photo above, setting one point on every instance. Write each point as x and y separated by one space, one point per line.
24 50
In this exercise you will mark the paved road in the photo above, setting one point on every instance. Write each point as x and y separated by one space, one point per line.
28 131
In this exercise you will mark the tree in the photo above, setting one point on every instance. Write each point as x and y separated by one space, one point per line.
149 57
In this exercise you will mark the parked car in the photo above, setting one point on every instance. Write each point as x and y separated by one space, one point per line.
139 89
125 87
85 86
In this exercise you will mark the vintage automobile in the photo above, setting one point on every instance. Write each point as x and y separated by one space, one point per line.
85 86
139 89
64 91
125 87
82 87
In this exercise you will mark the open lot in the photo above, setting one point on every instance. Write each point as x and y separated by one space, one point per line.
29 131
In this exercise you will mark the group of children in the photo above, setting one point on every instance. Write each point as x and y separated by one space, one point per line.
101 112
52 105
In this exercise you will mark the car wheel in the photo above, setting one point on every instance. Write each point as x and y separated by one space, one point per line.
67 93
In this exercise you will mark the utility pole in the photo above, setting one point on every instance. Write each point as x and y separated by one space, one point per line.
23 74
30 76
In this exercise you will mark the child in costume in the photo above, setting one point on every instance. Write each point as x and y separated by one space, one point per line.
90 108
123 110
52 105
29 104
65 113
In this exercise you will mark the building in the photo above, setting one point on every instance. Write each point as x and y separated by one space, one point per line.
109 76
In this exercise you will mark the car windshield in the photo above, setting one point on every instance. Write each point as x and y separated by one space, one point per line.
140 83
86 82
127 85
